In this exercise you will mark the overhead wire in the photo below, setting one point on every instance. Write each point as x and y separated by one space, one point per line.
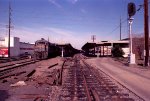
140 6
123 21
118 26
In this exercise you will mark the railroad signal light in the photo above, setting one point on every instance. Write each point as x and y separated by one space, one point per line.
131 9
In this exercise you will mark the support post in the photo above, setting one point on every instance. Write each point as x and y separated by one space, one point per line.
132 56
146 31
62 52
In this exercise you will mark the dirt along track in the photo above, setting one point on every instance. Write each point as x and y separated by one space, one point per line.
30 82
6 69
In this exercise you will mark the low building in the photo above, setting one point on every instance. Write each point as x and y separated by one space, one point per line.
17 48
104 48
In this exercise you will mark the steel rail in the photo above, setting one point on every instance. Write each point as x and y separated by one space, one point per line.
141 99
7 70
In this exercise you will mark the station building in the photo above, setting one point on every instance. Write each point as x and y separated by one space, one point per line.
104 48
17 48
67 49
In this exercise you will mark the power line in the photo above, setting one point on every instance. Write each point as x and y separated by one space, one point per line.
118 26
142 5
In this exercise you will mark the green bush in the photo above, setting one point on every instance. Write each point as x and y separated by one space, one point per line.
117 51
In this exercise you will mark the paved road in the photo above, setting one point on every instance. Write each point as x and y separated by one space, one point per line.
137 83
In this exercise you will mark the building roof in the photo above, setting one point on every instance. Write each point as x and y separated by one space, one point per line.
88 45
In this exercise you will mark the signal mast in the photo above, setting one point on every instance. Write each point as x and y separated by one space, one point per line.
131 12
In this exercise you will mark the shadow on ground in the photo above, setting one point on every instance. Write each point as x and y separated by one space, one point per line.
3 95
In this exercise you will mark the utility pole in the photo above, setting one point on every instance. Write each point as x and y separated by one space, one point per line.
120 28
146 31
93 38
9 27
48 39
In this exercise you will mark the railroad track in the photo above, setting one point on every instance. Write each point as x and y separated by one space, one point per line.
73 88
122 89
7 69
85 83
14 63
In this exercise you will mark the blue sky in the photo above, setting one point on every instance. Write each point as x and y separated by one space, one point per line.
69 21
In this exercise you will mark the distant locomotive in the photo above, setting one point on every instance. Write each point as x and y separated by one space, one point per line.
45 49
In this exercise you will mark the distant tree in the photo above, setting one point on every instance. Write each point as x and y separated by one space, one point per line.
140 51
138 47
117 51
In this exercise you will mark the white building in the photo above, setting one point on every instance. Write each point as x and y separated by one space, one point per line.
17 48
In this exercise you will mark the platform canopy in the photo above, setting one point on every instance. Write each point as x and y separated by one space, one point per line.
88 46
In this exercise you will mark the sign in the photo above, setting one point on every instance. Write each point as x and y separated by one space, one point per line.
4 51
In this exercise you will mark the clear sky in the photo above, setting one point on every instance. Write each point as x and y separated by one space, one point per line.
69 21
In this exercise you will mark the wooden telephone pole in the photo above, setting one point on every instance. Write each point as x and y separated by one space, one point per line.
120 28
9 27
93 37
146 31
